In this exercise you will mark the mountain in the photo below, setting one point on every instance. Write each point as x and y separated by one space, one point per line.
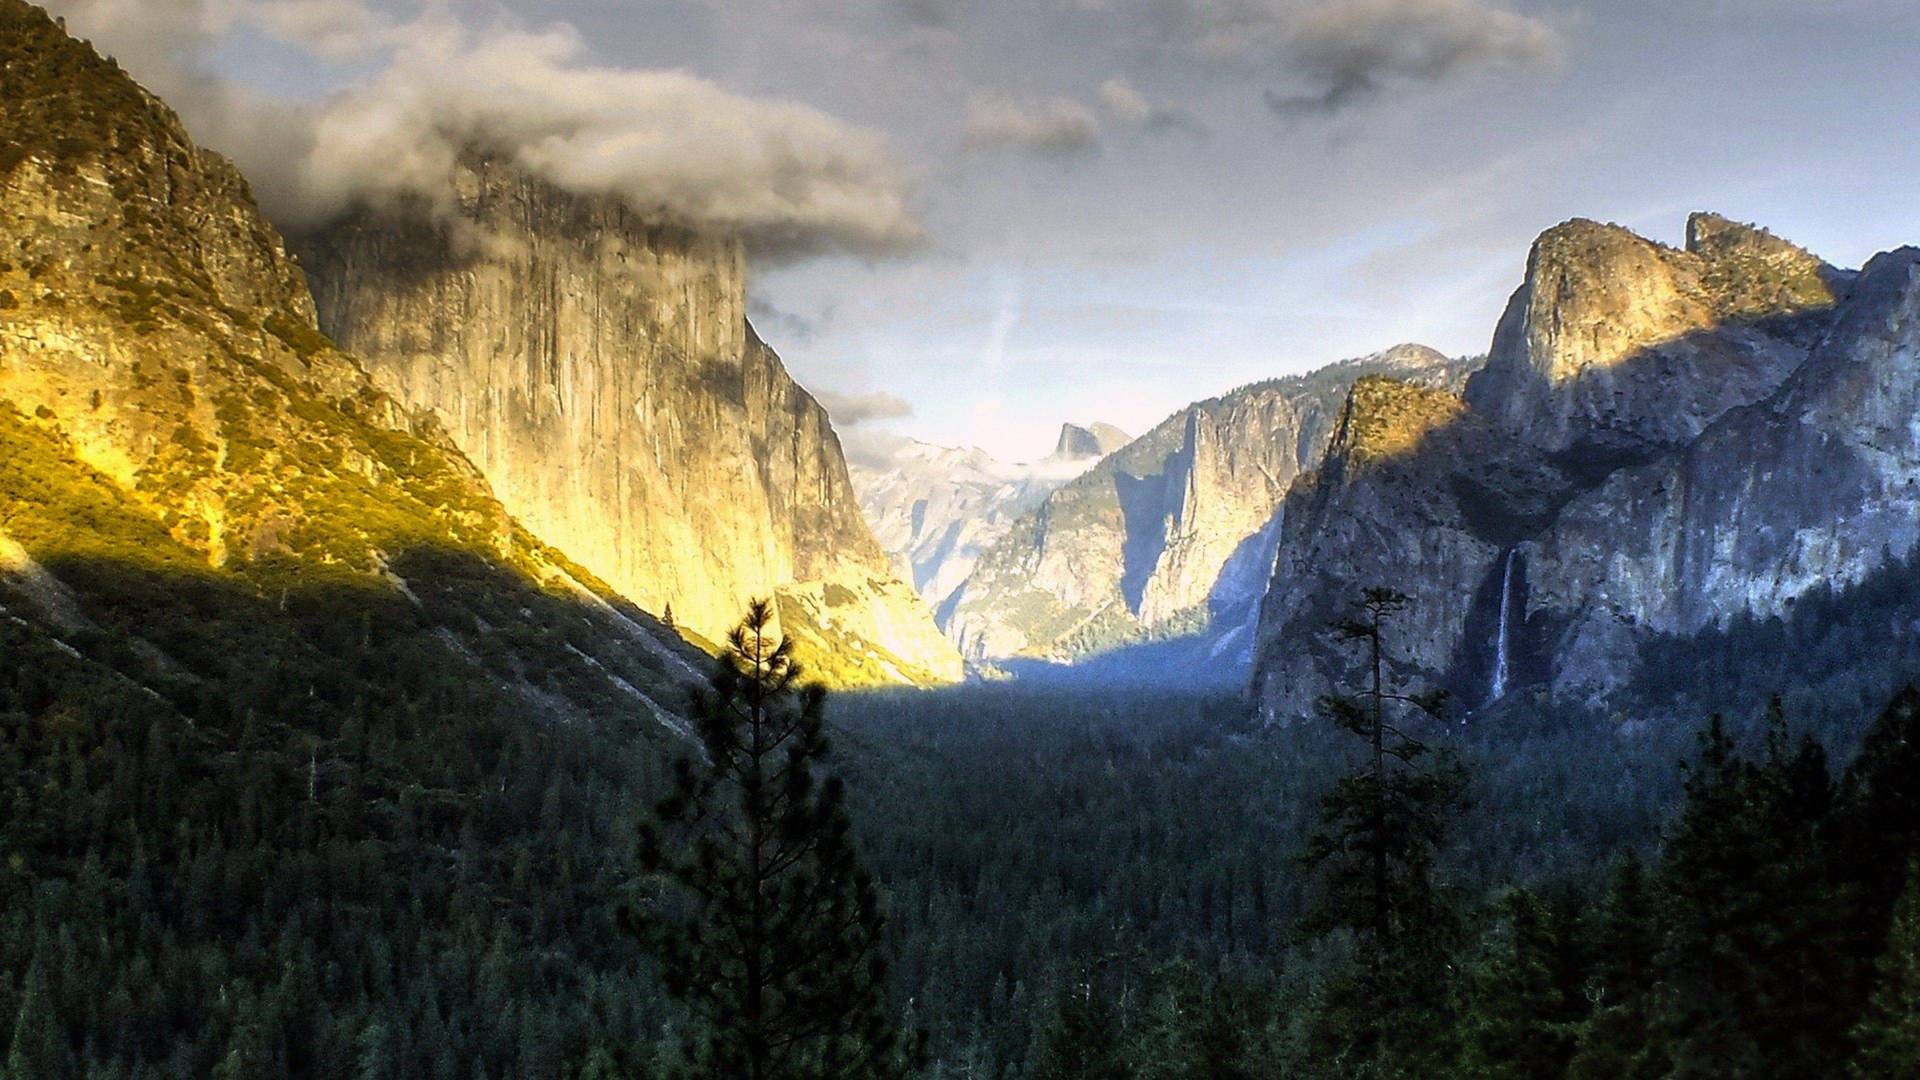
1614 340
600 370
1811 490
937 508
1172 535
1663 441
275 665
201 498
1078 443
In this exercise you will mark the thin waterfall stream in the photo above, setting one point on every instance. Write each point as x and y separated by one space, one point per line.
1500 640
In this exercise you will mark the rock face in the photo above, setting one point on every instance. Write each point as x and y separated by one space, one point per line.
1418 494
1662 440
1814 487
169 414
602 374
1171 536
1610 327
937 508
1096 441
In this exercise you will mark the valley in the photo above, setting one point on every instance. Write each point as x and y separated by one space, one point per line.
441 636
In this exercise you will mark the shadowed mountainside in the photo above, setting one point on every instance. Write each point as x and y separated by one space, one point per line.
1662 441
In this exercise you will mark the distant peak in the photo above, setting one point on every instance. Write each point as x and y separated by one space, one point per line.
1093 440
1412 355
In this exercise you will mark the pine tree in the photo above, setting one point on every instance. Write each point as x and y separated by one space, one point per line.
1754 968
770 929
1078 1042
1617 1040
1381 828
1876 830
1888 1036
1801 961
1713 906
38 1047
1525 1005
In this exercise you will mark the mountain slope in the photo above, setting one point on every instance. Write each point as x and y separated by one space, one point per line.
937 509
1814 488
1171 535
1614 340
1662 440
180 438
280 682
600 371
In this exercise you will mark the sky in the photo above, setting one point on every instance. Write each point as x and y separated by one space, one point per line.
971 220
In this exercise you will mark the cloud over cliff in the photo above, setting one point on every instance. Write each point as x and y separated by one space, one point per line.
851 410
789 178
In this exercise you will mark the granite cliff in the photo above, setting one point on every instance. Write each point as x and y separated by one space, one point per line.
1813 488
1662 440
600 371
1173 535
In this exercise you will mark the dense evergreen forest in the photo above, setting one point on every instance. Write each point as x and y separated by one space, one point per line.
1078 881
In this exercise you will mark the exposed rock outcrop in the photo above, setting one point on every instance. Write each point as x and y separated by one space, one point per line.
1417 494
1620 343
601 372
1096 441
1813 488
1172 535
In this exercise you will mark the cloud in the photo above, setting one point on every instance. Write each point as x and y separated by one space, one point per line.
852 410
786 326
1124 102
1129 106
788 178
1340 52
1061 127
927 12
1350 50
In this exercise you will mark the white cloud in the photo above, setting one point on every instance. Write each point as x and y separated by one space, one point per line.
1060 127
787 177
1132 108
852 410
1338 52
1124 102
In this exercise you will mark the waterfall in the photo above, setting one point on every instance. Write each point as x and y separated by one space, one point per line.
1500 639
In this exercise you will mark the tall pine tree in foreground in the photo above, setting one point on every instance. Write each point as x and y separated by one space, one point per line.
1888 1036
1382 826
768 929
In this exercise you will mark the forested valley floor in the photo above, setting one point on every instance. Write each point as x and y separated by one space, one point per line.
1078 882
